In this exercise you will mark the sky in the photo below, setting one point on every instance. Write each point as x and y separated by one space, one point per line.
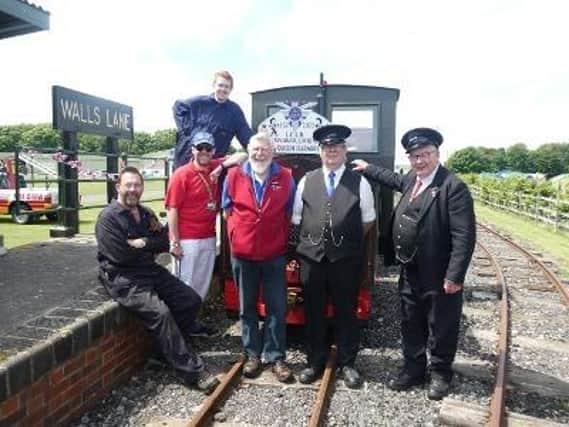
484 73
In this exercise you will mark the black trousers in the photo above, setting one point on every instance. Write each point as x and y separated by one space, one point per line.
430 319
340 282
166 306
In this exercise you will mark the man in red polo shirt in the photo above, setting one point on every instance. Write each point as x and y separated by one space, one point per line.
193 203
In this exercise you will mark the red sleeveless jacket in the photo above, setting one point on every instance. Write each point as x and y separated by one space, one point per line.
258 233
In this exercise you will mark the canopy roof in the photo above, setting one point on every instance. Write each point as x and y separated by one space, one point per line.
18 17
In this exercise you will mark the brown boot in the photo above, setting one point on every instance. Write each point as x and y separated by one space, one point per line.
252 367
282 371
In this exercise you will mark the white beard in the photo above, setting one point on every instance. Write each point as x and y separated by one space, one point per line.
260 168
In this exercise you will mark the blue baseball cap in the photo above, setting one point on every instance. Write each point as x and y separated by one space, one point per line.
203 138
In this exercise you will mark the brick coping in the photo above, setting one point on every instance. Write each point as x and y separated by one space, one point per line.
57 339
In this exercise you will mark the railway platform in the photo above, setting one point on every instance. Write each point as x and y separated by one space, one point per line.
64 343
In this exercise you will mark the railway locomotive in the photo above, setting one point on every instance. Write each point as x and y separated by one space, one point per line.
290 115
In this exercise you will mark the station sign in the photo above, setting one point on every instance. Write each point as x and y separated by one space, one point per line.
75 111
291 128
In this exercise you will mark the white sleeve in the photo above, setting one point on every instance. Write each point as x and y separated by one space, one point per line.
367 204
298 204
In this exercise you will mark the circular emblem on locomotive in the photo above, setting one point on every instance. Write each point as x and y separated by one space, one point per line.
291 127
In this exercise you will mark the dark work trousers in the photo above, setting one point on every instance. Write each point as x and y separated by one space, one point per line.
340 282
166 306
429 319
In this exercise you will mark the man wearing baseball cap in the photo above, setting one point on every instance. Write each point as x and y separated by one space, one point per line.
433 234
192 200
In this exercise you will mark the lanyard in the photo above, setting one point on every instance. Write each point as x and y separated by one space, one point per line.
207 186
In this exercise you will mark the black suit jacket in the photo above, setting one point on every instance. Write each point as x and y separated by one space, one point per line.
446 229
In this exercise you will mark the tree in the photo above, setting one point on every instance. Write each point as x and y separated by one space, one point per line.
550 159
41 136
91 143
518 158
467 160
494 159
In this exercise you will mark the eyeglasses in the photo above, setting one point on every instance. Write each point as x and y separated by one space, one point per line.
204 147
420 156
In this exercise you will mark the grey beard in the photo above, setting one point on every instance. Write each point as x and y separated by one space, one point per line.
260 168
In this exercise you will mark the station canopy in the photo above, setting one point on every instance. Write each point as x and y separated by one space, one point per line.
19 17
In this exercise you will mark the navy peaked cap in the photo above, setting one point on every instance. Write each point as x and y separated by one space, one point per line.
419 137
331 134
202 138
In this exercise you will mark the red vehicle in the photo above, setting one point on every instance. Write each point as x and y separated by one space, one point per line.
30 199
290 116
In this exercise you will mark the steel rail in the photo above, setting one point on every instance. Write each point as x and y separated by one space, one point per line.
562 289
204 417
497 416
318 414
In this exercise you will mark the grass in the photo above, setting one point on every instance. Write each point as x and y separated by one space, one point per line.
541 237
17 235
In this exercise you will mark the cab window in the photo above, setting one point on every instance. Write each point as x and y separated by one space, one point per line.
363 120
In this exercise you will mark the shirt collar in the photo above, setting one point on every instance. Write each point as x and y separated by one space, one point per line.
122 210
429 178
212 98
339 172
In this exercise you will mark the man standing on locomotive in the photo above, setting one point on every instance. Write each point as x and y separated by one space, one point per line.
129 236
192 201
257 201
215 114
433 235
334 208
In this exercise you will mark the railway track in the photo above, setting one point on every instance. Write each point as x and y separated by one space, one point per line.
513 293
231 379
535 387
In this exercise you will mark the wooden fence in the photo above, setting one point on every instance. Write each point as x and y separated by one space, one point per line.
552 211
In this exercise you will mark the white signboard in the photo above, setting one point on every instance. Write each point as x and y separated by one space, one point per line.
291 128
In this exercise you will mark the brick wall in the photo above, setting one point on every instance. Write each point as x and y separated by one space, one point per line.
58 380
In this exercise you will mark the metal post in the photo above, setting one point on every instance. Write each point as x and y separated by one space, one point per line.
68 190
166 174
322 97
112 149
17 178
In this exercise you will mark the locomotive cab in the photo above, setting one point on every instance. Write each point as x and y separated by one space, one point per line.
290 115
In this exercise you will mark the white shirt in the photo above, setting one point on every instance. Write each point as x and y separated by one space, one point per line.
428 180
367 205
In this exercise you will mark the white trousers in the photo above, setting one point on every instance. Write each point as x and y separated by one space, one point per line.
196 265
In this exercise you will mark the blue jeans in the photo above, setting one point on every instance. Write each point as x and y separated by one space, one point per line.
268 275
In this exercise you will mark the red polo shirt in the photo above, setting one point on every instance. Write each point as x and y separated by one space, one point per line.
191 191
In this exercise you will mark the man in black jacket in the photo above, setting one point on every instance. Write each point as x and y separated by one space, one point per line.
129 236
433 233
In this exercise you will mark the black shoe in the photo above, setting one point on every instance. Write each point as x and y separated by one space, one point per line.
310 374
203 381
252 367
203 331
405 381
438 388
352 378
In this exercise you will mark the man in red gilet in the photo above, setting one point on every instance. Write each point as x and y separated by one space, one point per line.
257 202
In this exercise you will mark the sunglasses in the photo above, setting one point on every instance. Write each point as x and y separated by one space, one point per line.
204 147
